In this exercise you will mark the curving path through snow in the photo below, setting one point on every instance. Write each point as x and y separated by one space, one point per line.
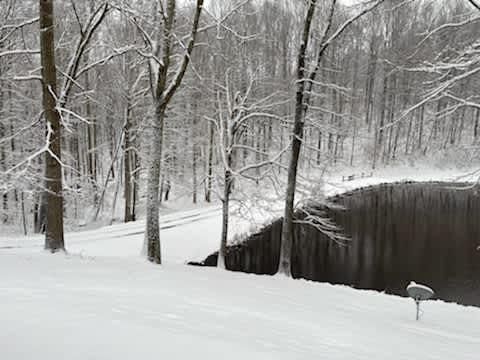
185 236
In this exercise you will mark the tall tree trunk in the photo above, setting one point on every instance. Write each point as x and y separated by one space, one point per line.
136 178
153 184
53 170
12 146
225 207
476 125
2 148
91 126
353 115
115 196
287 225
420 127
390 117
162 93
91 142
383 105
24 218
3 158
319 147
208 193
461 126
194 153
409 133
371 74
128 187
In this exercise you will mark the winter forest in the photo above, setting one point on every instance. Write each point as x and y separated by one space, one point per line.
119 118
144 101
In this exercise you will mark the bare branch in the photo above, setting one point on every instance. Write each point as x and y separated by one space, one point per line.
474 4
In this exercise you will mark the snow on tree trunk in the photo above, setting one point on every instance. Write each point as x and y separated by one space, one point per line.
208 189
287 225
53 170
163 90
304 87
152 234
226 203
127 167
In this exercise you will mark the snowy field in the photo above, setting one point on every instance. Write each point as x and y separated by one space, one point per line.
102 301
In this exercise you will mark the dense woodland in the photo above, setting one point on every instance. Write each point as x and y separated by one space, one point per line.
141 101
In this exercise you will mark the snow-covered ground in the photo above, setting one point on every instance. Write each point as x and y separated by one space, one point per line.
103 301
335 184
70 307
185 236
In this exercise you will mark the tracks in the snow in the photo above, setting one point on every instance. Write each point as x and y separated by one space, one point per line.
184 220
168 221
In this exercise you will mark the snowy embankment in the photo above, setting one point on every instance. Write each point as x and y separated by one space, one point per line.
264 207
104 302
335 184
69 307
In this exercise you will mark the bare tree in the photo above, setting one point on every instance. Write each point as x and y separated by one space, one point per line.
53 169
237 111
163 88
305 81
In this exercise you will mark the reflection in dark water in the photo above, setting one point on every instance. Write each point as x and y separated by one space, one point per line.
426 232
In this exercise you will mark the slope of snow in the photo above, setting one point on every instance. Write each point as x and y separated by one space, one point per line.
334 183
185 236
69 307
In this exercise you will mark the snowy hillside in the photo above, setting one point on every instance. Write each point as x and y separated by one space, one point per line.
186 236
97 308
105 302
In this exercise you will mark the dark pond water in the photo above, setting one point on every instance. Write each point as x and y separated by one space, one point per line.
426 232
